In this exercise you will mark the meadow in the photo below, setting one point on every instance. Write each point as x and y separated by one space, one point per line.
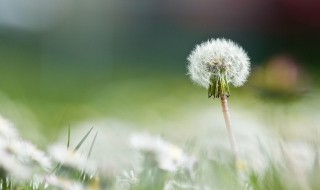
158 131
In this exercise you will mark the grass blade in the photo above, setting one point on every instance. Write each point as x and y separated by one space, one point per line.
68 143
59 165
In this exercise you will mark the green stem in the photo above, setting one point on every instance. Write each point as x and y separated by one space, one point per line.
219 87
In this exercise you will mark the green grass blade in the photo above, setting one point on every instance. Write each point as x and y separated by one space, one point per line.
68 143
59 165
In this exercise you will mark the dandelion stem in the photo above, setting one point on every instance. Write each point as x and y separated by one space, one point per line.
226 115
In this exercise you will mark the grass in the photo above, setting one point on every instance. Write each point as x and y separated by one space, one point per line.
205 173
166 97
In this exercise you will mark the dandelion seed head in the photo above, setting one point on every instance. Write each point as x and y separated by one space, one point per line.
217 57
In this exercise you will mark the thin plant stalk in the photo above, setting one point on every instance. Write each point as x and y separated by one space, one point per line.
226 115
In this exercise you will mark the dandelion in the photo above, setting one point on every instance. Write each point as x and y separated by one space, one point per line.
214 65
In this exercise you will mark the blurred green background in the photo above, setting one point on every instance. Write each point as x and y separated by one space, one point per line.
67 61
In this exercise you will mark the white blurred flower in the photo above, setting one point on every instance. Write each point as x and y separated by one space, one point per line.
128 178
62 183
113 136
19 158
168 156
218 62
12 166
27 152
7 129
70 158
36 181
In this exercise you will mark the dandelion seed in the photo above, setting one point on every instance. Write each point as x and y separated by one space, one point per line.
214 64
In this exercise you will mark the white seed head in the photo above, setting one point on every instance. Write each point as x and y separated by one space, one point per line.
216 56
